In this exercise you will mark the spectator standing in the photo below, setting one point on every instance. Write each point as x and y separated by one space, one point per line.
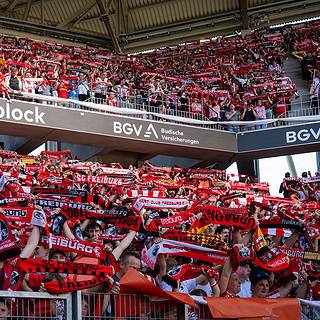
283 186
13 81
315 93
196 108
248 114
260 114
274 66
232 115
83 88
73 95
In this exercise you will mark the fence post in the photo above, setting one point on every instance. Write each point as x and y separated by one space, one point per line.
76 306
182 311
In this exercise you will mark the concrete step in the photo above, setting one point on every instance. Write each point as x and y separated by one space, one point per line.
292 69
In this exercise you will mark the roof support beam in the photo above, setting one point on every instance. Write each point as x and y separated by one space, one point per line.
11 6
27 11
78 15
42 11
243 5
124 17
106 20
153 5
24 5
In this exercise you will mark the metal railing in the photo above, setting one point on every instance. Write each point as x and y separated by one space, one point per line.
144 104
96 306
16 305
150 112
310 310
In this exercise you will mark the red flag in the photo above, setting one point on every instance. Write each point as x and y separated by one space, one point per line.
135 282
226 308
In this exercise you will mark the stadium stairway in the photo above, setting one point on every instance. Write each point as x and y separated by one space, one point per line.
292 69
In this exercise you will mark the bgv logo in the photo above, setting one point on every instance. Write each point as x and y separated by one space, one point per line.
130 129
302 135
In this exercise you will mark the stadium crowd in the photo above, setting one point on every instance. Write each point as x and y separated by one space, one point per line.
223 79
305 46
68 225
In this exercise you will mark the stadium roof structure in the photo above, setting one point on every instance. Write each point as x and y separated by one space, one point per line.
135 25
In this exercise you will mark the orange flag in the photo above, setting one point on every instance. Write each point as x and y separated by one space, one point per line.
135 282
252 308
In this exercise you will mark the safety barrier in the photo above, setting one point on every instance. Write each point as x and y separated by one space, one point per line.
310 310
16 305
183 118
96 306
34 305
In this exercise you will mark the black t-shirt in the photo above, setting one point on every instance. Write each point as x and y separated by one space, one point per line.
14 83
249 116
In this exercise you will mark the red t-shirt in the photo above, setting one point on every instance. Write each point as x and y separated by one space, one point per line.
227 294
62 92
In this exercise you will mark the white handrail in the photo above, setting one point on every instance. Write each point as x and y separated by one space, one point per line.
128 111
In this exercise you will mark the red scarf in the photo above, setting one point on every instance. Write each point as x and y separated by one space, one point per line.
102 179
19 214
273 260
38 265
296 253
225 216
186 272
55 287
75 214
81 247
197 239
8 246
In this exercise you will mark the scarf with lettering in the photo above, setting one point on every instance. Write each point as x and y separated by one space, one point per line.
175 248
171 220
103 180
225 210
60 191
8 245
85 248
278 222
18 214
272 259
14 202
30 265
186 272
194 238
55 287
155 216
296 253
159 203
75 214
132 223
225 216
52 203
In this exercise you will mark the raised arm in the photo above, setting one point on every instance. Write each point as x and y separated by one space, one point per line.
124 244
32 243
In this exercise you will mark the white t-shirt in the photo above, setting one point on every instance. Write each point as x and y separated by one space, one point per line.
245 290
316 87
188 286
